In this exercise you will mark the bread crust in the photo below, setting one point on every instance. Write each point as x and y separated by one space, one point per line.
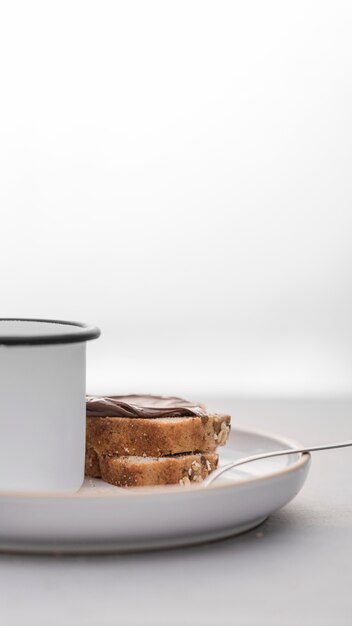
156 437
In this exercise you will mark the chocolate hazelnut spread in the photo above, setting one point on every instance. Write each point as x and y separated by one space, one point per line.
142 407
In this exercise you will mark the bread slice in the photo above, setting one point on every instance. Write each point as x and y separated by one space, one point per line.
156 437
137 471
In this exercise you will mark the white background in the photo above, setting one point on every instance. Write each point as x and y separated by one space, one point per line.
179 173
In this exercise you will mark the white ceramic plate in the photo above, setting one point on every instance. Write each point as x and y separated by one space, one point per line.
101 518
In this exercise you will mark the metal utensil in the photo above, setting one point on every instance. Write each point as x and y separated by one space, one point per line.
267 455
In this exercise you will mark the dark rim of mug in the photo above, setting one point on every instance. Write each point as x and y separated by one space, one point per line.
79 333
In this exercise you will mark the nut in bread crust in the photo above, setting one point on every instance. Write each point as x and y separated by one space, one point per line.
184 482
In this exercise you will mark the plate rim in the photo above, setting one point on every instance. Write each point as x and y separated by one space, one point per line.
302 461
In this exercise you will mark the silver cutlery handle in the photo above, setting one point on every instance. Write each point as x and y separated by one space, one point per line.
267 455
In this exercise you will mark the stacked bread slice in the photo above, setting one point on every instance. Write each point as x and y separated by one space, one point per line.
151 440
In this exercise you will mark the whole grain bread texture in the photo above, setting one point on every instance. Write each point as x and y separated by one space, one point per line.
158 436
138 471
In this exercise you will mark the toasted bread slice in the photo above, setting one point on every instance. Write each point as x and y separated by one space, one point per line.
156 437
136 471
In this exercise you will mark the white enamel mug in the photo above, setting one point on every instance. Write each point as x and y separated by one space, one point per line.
42 404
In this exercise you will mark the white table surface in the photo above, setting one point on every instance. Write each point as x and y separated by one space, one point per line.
296 569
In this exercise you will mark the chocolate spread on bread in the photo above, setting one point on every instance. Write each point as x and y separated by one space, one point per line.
142 407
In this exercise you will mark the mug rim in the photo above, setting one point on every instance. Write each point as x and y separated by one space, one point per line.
79 332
